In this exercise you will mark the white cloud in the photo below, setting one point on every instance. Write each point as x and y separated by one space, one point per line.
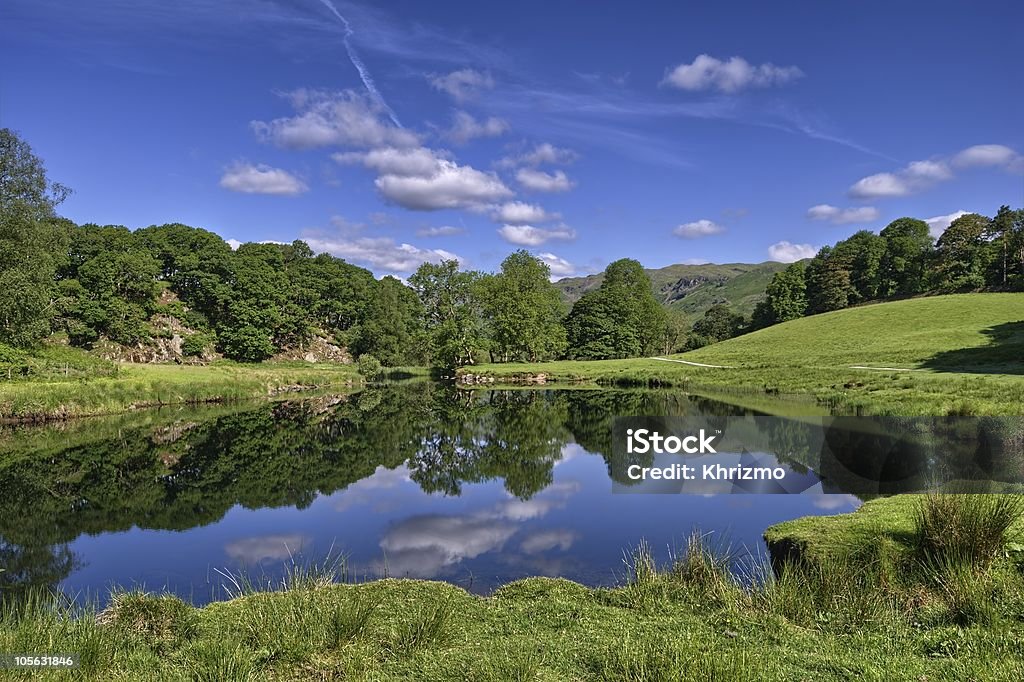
559 266
323 119
987 155
696 261
880 185
234 244
520 213
708 73
415 161
938 224
540 181
918 176
379 253
450 186
462 84
527 235
422 179
465 127
785 252
543 153
442 231
261 179
698 229
842 216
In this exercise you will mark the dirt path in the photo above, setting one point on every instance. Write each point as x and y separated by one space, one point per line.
694 364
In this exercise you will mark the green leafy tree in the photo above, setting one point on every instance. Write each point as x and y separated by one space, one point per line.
861 255
451 311
785 298
902 270
1006 232
33 243
963 254
828 283
718 324
620 319
393 328
524 310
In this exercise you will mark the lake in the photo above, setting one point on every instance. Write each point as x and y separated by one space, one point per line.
417 480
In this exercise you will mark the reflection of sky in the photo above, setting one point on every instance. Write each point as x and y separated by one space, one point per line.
385 523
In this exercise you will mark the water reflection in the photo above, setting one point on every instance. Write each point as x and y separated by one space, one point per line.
421 481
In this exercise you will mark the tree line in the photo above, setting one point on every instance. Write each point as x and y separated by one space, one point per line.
92 282
974 253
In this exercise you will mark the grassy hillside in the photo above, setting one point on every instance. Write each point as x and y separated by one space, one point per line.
957 333
964 353
694 288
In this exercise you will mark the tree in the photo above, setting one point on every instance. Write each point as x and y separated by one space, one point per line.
393 329
620 319
524 310
963 254
718 324
828 283
785 298
861 255
902 267
1005 230
32 243
452 315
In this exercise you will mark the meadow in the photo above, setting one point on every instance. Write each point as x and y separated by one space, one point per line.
130 387
957 354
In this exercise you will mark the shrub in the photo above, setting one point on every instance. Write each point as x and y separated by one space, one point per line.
968 528
194 345
369 366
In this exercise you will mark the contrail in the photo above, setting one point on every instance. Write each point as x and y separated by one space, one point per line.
364 73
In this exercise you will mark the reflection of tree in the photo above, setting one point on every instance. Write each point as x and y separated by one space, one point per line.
281 454
592 415
31 566
513 435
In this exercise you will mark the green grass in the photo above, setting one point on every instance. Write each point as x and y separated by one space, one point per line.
139 386
967 352
842 617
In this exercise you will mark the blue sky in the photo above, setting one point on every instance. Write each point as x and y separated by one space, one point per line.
390 133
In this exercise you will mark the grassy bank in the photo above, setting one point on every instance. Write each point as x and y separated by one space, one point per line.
837 619
959 354
138 386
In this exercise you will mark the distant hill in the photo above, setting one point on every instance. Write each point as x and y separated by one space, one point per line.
694 288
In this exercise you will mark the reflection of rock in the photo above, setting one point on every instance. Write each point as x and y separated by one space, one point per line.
265 547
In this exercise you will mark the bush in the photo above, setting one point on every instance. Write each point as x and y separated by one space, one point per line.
194 345
369 366
968 528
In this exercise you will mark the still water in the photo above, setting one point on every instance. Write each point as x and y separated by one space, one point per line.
421 480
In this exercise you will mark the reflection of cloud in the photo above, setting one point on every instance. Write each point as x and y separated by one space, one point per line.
262 547
553 497
548 539
828 502
570 451
426 546
365 491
